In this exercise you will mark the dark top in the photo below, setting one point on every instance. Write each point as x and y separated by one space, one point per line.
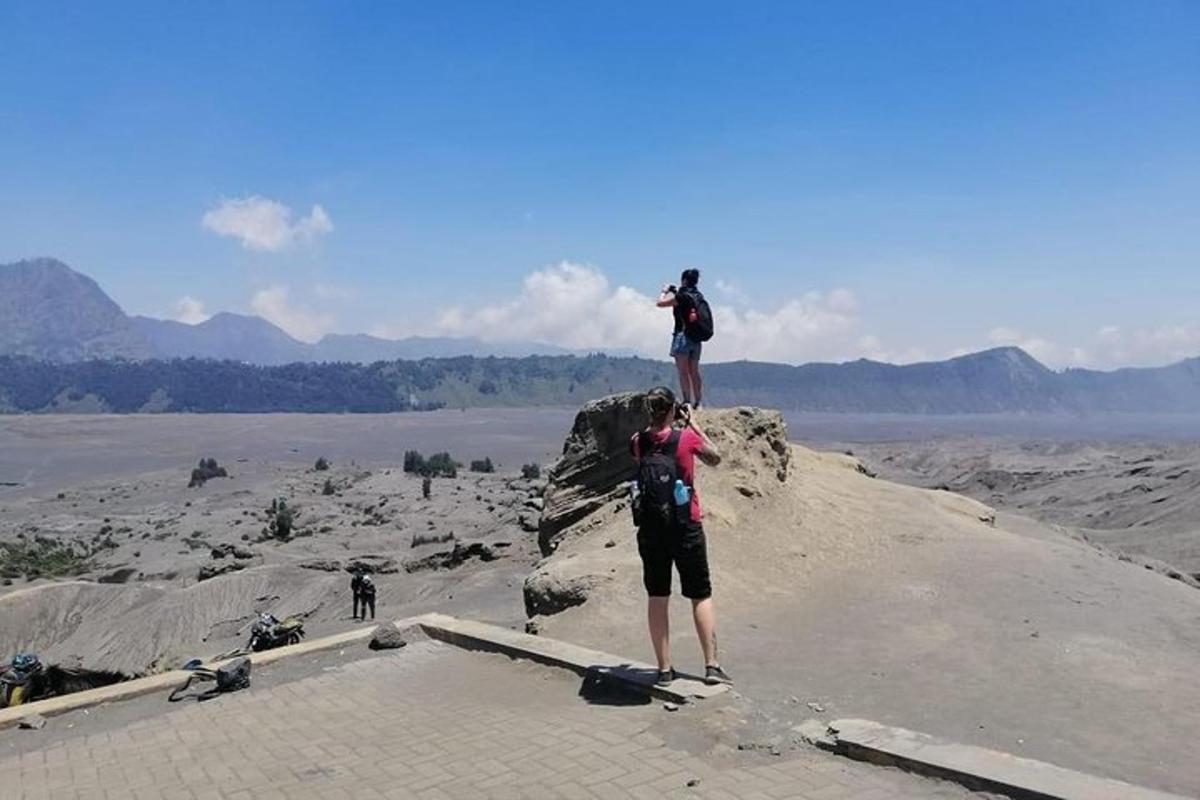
683 302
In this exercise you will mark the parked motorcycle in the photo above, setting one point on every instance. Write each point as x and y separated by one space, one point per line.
269 633
22 680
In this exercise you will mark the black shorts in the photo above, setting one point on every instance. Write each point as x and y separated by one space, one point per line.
684 547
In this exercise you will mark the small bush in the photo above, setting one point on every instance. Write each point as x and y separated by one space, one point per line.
426 487
321 465
328 489
414 462
431 538
207 470
531 472
438 465
283 519
42 557
441 465
485 465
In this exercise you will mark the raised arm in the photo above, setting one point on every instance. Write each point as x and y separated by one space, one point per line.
708 453
666 298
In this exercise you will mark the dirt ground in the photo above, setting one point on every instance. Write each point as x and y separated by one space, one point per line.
918 608
838 594
1137 497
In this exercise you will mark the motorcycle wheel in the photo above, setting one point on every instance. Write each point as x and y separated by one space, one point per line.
293 638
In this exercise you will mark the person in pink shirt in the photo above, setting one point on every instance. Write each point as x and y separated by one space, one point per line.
670 532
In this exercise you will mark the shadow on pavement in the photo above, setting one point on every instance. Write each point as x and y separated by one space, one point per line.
609 686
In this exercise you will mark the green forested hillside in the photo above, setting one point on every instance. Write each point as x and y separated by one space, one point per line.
1000 380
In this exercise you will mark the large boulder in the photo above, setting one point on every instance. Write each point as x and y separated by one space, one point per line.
387 637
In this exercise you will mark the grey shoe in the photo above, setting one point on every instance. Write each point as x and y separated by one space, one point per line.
665 677
715 675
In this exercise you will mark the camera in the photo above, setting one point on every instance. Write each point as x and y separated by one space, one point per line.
672 289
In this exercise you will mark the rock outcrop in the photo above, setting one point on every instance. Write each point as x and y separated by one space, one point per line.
585 506
594 466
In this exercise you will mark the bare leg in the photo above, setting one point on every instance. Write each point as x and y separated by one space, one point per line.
684 365
706 629
697 384
660 630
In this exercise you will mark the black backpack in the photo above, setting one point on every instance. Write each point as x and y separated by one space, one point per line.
699 329
654 505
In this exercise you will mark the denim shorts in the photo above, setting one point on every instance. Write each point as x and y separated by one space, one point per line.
681 345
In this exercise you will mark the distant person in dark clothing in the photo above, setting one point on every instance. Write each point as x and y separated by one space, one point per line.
684 301
669 528
366 596
356 587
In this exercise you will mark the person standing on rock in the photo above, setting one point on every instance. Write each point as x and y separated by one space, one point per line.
693 327
667 513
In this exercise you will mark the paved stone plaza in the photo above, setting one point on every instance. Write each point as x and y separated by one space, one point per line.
431 721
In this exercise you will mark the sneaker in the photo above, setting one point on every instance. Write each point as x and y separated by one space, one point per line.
665 677
714 675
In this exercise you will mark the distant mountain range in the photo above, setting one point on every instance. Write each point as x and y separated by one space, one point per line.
65 346
50 312
1003 380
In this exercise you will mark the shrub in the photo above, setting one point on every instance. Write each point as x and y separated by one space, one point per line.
484 465
322 464
414 462
438 465
531 472
426 486
328 488
207 470
441 465
431 538
41 557
283 519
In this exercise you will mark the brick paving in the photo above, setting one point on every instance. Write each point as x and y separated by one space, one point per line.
430 722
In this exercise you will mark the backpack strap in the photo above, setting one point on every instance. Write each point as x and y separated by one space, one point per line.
669 446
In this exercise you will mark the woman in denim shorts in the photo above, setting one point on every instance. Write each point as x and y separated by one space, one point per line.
685 351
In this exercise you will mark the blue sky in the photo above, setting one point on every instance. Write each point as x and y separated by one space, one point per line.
892 180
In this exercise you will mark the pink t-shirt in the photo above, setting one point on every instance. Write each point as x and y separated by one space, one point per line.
690 444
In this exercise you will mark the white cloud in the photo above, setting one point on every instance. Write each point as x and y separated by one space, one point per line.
575 306
730 290
263 224
1164 344
190 310
329 291
274 305
1049 353
1110 347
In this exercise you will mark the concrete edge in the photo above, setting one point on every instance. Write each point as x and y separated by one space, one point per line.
976 768
582 661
